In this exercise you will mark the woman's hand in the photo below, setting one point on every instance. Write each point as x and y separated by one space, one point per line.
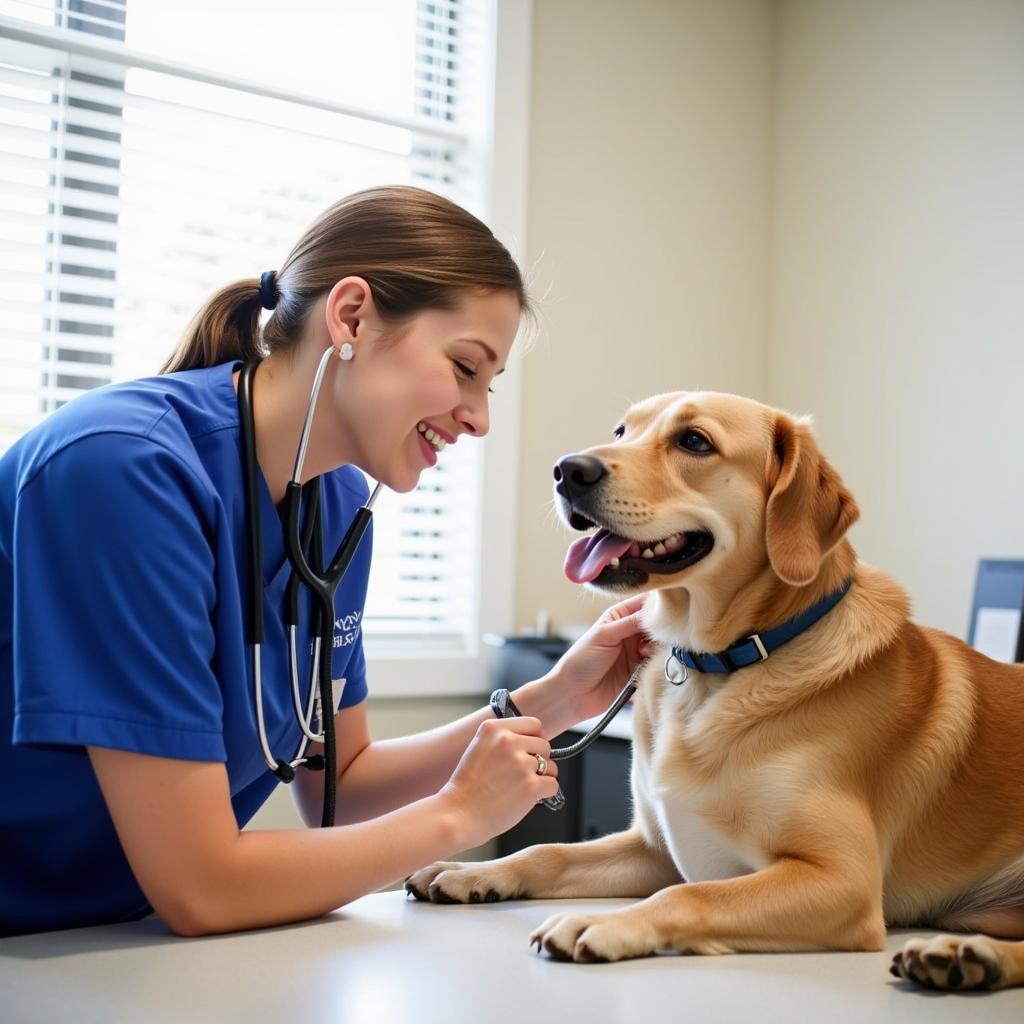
589 676
496 783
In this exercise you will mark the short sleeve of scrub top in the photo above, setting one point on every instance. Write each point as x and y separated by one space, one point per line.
116 577
115 590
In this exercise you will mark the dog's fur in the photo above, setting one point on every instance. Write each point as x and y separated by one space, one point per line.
870 772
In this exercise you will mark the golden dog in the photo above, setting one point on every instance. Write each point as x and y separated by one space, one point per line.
869 772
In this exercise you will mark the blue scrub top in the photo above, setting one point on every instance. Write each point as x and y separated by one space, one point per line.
123 584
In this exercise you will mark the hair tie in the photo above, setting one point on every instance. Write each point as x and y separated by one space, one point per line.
268 289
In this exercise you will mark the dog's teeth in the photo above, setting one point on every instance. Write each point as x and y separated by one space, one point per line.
647 553
614 563
673 543
441 442
660 549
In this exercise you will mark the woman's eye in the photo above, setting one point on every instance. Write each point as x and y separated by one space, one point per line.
469 373
694 441
619 432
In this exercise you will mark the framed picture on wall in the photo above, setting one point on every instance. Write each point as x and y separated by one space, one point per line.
998 609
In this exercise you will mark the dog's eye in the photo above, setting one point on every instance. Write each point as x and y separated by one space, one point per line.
619 432
694 441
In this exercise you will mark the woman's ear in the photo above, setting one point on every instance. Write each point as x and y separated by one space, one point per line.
809 508
348 308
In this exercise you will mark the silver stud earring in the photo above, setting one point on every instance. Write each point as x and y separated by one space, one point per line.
346 352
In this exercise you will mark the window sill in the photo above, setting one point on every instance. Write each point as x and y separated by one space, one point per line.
393 673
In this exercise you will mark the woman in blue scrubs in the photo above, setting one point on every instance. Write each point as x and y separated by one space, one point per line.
129 755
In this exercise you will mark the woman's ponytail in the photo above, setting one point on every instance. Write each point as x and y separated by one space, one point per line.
415 249
226 327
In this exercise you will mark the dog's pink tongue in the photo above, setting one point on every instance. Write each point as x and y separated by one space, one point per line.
587 557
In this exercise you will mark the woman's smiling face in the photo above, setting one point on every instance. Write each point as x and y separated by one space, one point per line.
430 374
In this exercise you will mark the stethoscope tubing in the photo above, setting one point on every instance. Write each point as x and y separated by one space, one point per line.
304 718
308 570
564 753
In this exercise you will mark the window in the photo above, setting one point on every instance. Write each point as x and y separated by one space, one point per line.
153 152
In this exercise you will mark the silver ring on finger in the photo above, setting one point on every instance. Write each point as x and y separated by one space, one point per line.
542 765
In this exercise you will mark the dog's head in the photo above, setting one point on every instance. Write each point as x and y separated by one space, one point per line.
699 484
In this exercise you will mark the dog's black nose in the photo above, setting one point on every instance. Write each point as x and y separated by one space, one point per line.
577 474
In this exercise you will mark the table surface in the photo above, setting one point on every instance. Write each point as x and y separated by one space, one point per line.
383 960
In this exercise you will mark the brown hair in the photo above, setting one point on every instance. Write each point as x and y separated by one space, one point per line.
415 249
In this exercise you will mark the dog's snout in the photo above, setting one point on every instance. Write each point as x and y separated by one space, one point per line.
577 474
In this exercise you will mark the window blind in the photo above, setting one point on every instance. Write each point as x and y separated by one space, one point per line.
151 153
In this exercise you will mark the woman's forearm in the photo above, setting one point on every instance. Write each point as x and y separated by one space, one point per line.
391 773
277 877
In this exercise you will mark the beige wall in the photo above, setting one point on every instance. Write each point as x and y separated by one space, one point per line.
898 275
817 203
647 232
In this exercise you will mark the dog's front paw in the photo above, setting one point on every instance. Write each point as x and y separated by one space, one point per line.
950 962
454 882
593 938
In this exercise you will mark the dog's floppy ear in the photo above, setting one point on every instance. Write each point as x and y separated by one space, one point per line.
809 509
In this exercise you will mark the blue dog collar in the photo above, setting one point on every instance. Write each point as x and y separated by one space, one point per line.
755 648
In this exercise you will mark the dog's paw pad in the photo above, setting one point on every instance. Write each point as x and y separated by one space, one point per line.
585 954
949 962
554 950
438 895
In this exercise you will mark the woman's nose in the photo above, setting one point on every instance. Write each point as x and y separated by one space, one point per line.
474 419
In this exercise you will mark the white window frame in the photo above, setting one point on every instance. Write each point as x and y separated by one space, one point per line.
403 670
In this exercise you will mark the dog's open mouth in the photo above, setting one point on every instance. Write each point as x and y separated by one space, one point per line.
607 558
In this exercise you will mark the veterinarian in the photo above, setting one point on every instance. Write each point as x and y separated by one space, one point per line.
137 736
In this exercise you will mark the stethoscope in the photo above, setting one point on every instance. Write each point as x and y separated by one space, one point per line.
304 546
